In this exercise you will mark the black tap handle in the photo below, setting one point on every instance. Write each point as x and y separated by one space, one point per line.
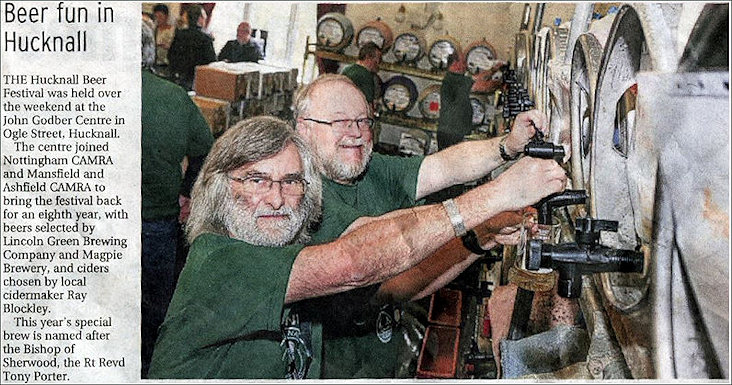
533 254
543 150
565 198
587 230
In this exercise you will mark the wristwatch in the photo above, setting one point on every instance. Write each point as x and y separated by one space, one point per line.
470 241
502 150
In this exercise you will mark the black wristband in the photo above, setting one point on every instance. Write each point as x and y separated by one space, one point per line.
502 151
470 241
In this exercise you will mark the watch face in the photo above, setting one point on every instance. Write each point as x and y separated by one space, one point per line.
397 97
430 105
370 34
478 111
330 32
406 47
439 53
480 58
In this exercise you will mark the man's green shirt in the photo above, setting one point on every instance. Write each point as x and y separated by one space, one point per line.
351 347
226 316
172 128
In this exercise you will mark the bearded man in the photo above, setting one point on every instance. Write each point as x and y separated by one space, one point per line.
337 121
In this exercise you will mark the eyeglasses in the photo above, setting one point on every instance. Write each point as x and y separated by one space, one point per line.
363 124
257 184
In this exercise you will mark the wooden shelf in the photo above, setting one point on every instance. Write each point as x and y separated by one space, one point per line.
384 66
407 121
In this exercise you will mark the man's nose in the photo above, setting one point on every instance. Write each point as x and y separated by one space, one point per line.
353 130
274 197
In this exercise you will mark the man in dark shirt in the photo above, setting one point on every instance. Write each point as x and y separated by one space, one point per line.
242 48
363 71
172 129
456 112
190 48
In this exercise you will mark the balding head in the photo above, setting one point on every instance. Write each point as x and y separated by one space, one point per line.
343 152
243 32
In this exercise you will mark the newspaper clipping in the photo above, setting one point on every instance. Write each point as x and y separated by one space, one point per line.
614 114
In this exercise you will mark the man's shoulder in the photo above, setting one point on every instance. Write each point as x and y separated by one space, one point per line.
193 35
150 81
208 244
355 69
381 161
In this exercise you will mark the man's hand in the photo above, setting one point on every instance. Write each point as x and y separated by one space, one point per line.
529 180
523 130
508 236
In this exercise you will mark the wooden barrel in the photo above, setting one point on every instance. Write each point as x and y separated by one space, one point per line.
375 31
334 32
480 56
408 47
429 102
400 94
440 49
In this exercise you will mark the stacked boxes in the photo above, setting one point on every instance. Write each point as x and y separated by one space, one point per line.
248 89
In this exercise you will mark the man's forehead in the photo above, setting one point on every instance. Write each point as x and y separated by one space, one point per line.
285 162
338 97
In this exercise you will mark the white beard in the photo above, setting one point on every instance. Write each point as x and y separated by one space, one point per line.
338 171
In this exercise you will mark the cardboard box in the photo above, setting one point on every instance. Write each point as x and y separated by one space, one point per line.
226 81
216 113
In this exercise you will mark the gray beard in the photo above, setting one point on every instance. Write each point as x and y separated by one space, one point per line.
337 171
242 224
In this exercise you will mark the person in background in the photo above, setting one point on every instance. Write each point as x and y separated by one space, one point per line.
237 310
333 115
172 129
456 112
190 47
243 48
164 34
362 72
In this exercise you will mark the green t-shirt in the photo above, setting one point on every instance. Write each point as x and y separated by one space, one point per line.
456 112
172 128
225 319
351 347
363 78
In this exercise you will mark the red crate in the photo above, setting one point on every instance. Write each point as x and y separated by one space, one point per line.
446 308
439 355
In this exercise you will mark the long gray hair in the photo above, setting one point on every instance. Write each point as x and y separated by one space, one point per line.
148 44
248 141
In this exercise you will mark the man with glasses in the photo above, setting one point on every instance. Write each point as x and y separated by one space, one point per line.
335 118
238 308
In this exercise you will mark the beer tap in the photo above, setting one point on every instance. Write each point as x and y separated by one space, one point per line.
584 256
